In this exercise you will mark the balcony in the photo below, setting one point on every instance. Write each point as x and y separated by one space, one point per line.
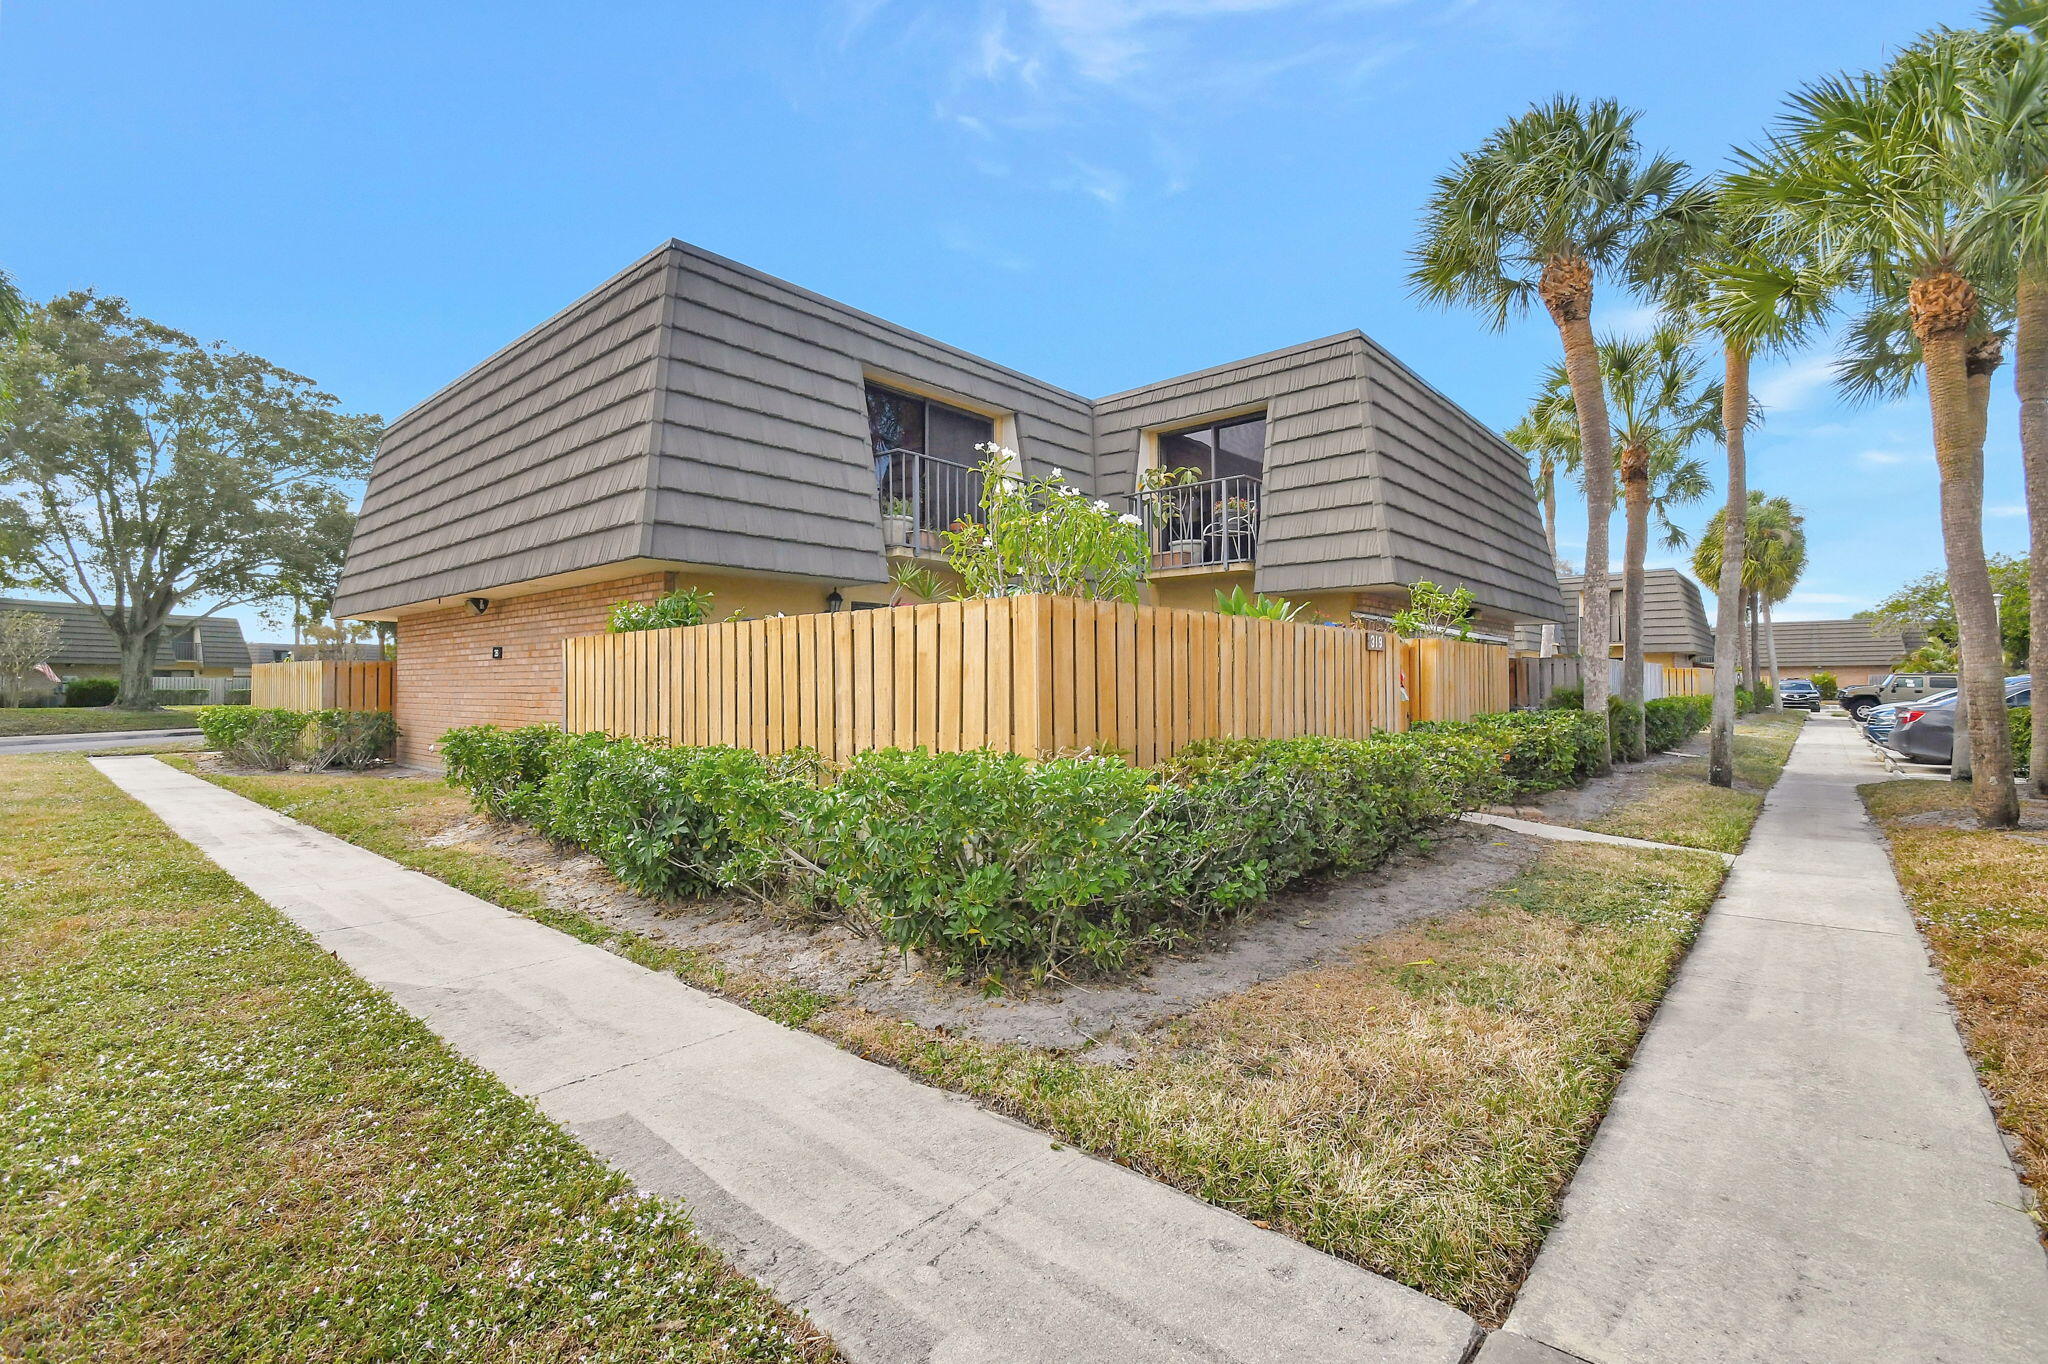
922 497
1212 524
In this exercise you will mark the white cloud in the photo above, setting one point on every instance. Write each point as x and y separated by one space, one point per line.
1883 458
2007 510
1792 387
977 247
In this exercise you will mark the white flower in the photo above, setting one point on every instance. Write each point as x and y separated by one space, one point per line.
1130 520
1101 506
1057 475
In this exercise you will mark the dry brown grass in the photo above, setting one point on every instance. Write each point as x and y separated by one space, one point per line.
1982 901
1416 1109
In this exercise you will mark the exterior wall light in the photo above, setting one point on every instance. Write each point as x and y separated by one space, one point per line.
834 600
479 604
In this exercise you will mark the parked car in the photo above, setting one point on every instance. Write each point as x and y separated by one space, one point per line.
1893 688
1879 721
1926 733
1798 693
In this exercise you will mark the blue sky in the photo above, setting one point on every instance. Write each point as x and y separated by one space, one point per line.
1098 192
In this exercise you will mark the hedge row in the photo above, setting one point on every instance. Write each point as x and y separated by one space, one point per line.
1664 723
261 736
987 860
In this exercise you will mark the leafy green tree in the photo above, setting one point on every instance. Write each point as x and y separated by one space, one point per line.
1872 162
1559 196
1433 610
1924 604
141 470
27 638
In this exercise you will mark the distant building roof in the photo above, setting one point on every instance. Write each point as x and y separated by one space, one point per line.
84 640
1674 616
1841 643
277 651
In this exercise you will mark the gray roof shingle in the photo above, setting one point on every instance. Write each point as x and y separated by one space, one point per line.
84 639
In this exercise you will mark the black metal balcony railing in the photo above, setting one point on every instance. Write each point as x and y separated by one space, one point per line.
923 496
1209 524
185 648
1202 525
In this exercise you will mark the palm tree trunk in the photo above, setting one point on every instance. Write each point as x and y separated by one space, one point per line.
2030 380
1734 546
1550 516
1756 644
1959 453
1635 483
1596 443
1771 653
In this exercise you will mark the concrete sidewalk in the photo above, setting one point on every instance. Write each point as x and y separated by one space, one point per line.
1800 1164
909 1223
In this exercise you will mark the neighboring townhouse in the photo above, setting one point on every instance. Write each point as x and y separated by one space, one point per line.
695 422
188 646
1853 650
1675 629
283 651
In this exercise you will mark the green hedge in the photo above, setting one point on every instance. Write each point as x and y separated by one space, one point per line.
262 736
1671 720
179 696
985 860
2022 737
91 691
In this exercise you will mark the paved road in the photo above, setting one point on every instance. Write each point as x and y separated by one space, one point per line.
909 1223
90 743
1800 1164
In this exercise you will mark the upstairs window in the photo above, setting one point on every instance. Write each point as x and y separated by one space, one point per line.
1230 448
903 421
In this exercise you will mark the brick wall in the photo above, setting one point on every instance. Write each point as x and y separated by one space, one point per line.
446 676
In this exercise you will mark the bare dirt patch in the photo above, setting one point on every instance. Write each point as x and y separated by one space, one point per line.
1296 930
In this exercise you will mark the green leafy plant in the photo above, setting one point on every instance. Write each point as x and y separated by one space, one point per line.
1433 611
274 739
1044 535
897 506
91 691
915 580
1236 602
989 862
1670 720
683 606
1827 684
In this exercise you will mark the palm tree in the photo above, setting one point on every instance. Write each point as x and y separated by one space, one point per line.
1732 272
1546 205
2015 118
1549 440
1774 559
1661 405
1871 162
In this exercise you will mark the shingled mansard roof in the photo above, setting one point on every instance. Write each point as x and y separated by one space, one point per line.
1674 616
693 411
1845 643
83 638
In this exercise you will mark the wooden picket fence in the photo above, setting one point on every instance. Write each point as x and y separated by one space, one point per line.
321 685
1688 681
1035 675
1454 679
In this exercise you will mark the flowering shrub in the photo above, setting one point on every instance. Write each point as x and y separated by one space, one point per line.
1044 535
987 860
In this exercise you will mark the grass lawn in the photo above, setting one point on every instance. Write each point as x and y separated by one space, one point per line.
87 720
223 1145
1982 901
1682 807
1417 1108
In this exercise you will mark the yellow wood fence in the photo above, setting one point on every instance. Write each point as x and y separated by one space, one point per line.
1034 675
1454 679
321 685
1688 681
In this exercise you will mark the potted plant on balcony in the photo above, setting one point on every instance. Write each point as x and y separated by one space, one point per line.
898 521
1174 512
